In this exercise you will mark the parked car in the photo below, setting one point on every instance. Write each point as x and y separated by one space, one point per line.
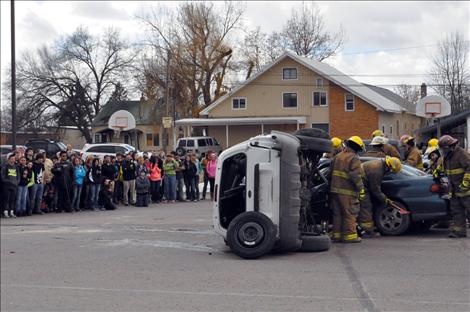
412 189
262 197
200 145
51 147
7 149
103 149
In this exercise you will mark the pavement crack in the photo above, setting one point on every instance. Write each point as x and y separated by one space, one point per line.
358 288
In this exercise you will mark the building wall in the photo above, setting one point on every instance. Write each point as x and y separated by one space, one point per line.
264 95
396 125
143 144
344 124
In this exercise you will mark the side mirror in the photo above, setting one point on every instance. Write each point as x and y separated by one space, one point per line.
426 165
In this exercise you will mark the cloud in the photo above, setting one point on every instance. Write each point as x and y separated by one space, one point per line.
99 10
33 30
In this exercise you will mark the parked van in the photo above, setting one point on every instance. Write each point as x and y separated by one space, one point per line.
200 145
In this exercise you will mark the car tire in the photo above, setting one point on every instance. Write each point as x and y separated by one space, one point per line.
313 243
251 235
180 151
390 222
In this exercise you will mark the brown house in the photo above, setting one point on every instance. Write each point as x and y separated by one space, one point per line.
295 92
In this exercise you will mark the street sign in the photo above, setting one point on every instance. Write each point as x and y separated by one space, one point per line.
167 122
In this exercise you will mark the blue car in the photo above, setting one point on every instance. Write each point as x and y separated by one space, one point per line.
412 189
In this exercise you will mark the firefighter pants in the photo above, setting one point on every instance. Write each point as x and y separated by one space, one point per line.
365 216
460 210
345 209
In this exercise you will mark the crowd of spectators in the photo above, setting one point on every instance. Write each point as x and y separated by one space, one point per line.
34 184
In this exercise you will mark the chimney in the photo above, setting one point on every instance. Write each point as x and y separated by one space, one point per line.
424 90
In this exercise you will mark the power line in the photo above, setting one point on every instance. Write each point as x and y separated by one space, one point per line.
395 49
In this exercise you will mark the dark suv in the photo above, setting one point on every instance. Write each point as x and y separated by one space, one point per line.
51 147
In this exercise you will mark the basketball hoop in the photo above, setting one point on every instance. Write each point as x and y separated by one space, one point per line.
117 131
121 121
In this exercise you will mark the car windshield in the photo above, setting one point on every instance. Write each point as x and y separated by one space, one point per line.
411 171
62 145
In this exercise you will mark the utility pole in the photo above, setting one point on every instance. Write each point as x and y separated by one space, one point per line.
13 77
167 98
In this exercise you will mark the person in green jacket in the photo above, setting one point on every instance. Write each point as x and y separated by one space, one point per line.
169 167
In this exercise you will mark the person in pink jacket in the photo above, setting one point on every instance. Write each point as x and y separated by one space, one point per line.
155 178
211 168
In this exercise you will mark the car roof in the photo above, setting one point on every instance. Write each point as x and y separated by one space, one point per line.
106 144
192 138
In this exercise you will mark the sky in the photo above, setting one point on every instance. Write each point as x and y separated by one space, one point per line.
387 43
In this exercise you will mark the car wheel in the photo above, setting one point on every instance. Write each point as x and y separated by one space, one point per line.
180 151
315 243
251 235
390 222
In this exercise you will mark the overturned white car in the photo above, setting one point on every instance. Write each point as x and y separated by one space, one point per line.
265 194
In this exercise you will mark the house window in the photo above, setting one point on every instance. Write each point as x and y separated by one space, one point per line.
319 99
156 139
149 139
383 129
239 103
97 138
126 139
323 126
289 73
398 127
349 102
319 82
289 100
391 129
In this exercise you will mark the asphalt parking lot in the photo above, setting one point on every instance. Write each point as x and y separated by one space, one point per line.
166 257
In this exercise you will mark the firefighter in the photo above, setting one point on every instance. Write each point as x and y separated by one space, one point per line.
389 149
346 190
433 143
435 162
377 147
374 172
337 146
457 167
412 154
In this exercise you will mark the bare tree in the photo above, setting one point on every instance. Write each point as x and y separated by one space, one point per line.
450 70
70 79
409 93
193 50
305 34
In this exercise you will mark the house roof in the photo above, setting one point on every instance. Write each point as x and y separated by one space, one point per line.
395 98
146 114
374 98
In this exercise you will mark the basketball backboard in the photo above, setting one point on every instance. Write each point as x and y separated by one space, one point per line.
121 120
433 106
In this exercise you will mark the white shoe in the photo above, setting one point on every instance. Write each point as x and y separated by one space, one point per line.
12 214
5 213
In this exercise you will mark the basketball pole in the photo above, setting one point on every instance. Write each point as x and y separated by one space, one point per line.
438 127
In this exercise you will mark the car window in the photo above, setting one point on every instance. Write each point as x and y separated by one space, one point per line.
201 142
209 142
215 141
5 150
190 143
182 143
120 149
52 148
35 145
62 146
102 149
